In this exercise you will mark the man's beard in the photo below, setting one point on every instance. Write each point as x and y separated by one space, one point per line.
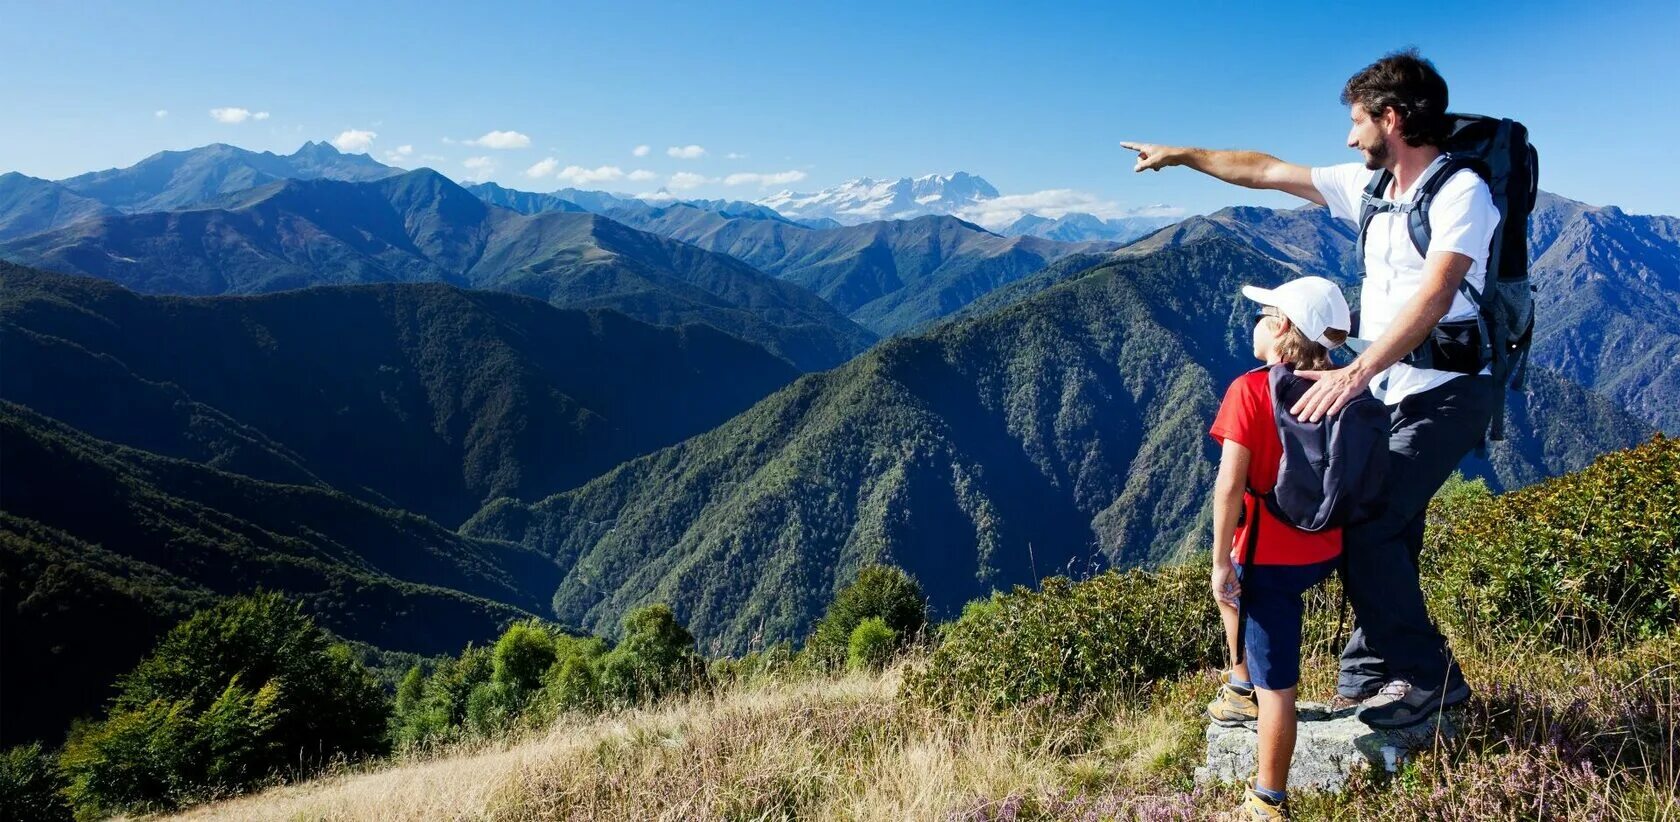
1376 156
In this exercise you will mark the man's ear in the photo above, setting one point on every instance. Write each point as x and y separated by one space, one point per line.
1390 120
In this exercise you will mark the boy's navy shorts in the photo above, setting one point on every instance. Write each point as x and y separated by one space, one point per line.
1271 596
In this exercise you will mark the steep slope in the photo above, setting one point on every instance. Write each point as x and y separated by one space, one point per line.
420 227
175 179
30 205
1067 428
84 522
426 397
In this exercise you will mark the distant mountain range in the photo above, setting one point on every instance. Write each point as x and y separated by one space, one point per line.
866 200
421 227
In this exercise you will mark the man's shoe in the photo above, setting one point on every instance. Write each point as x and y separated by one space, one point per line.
1340 702
1401 705
1233 705
1257 808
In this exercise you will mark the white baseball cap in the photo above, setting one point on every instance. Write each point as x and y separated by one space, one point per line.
1312 304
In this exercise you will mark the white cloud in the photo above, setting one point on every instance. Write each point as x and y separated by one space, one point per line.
641 151
1054 203
686 152
542 168
478 169
641 175
354 140
401 154
433 158
735 155
580 176
232 115
684 180
501 140
161 113
764 180
656 196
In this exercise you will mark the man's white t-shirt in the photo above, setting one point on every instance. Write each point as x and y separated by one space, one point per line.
1462 219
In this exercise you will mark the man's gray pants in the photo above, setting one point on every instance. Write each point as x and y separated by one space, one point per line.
1393 637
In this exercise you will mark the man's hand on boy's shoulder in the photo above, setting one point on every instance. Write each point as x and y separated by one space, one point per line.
1330 391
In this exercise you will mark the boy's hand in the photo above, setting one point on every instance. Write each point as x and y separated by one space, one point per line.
1226 588
1152 157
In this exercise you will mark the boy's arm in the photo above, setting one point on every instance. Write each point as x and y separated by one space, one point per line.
1249 169
1227 502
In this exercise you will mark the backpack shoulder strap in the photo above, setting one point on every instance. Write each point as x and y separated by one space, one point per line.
1370 204
1417 218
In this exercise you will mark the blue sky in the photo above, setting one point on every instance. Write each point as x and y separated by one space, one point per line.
1032 98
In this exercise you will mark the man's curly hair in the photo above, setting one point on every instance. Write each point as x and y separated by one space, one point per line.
1412 86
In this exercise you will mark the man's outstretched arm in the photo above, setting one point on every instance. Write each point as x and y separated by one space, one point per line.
1249 169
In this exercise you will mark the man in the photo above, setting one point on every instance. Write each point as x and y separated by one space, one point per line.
1396 666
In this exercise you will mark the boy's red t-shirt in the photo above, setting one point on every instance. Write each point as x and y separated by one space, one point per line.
1245 417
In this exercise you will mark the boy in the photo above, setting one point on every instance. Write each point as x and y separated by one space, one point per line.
1297 323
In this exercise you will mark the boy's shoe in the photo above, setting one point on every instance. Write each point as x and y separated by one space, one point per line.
1257 808
1233 705
1401 705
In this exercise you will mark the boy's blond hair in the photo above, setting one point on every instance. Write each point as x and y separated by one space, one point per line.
1294 347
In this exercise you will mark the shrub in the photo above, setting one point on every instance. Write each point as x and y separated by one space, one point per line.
1585 558
521 657
32 786
880 591
1070 641
230 698
655 658
441 711
871 646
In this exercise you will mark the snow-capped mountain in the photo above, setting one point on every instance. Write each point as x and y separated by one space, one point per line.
1076 227
866 200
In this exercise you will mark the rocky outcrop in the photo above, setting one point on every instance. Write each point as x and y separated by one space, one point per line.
1328 748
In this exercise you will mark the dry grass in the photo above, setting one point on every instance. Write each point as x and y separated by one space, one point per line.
852 749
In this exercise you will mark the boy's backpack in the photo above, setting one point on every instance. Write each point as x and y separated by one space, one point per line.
1332 471
1499 338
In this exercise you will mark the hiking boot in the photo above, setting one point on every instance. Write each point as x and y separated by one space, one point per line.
1401 705
1233 705
1339 702
1257 808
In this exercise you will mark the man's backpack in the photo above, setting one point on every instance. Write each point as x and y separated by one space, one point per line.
1499 338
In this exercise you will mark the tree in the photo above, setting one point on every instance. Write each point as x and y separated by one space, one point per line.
880 591
655 658
229 698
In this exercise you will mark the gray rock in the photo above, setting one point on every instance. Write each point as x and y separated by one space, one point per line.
1328 747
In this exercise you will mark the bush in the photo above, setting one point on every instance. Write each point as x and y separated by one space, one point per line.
656 658
871 646
32 786
231 697
521 657
441 711
1583 559
880 591
1070 641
